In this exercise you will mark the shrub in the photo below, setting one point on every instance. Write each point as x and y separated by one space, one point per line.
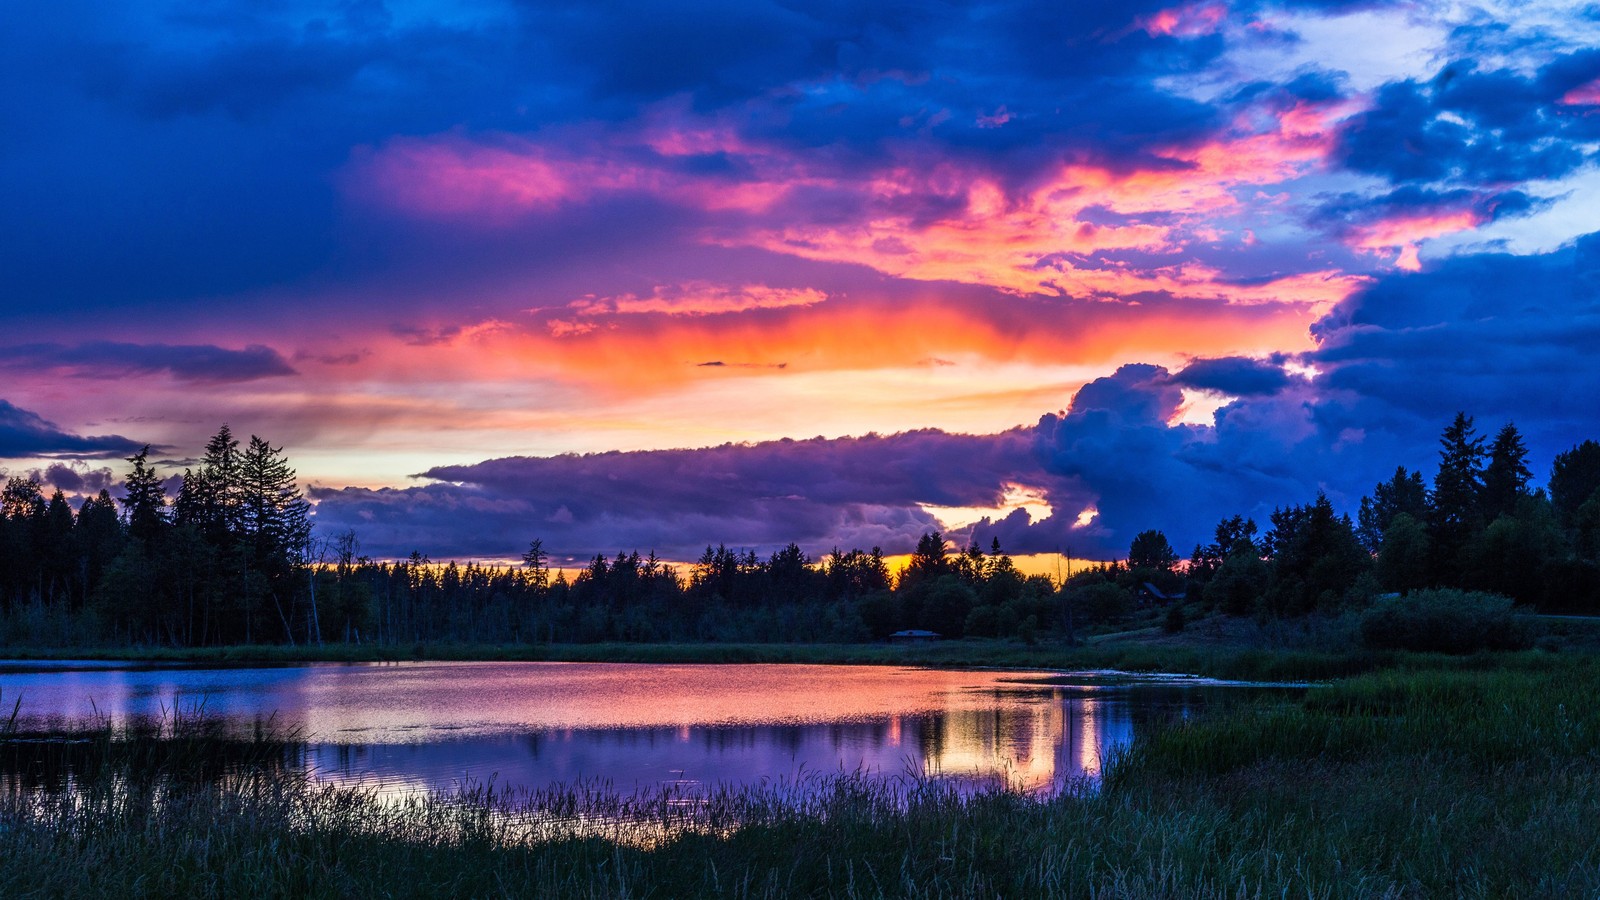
1175 619
1445 621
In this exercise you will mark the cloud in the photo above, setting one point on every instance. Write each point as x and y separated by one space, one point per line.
25 434
856 492
200 363
699 299
1486 127
1501 337
1235 376
74 477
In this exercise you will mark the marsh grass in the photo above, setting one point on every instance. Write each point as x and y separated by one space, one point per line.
1479 781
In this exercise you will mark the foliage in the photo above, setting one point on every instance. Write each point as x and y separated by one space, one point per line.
1445 621
1150 550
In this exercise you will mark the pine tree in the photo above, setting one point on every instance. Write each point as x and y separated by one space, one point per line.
1456 513
1574 478
212 494
1405 494
1505 479
537 563
145 503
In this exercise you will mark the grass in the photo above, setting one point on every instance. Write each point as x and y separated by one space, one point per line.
1473 781
1231 662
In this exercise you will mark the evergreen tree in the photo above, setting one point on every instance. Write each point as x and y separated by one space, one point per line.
536 561
211 496
100 537
1403 559
1404 494
1316 557
271 511
1574 477
928 561
1506 477
1457 497
57 549
145 503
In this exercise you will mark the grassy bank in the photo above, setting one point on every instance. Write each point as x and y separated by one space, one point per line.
1309 648
1473 782
1231 662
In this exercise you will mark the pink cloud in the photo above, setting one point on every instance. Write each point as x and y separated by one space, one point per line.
919 218
1583 95
1404 232
1192 20
700 299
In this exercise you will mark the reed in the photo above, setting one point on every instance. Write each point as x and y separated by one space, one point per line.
1476 781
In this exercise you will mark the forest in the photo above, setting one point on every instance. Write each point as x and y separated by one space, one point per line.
233 558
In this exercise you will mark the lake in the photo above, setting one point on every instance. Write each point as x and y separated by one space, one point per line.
439 725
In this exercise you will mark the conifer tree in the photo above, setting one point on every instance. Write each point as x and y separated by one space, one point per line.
145 503
1456 513
1506 477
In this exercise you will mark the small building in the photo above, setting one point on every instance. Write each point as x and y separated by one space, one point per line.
913 636
1149 593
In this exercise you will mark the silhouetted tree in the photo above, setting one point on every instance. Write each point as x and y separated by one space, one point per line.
1456 512
1506 477
1315 557
1404 494
145 503
929 561
1574 477
1150 550
1403 558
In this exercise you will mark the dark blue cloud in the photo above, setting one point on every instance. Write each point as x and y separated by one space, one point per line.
168 157
1486 127
1505 336
1236 376
203 363
26 434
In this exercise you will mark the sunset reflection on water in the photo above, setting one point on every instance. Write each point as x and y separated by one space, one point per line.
438 726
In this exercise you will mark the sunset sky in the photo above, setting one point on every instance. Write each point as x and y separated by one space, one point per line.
661 275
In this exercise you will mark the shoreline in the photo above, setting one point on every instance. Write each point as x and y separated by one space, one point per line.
1220 661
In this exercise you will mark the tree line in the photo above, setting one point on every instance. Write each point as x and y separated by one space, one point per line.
232 558
221 562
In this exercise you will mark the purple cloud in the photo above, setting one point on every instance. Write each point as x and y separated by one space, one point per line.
855 492
26 434
202 363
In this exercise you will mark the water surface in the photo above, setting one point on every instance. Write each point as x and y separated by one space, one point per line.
437 725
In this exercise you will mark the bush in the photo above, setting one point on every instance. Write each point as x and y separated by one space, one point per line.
1100 603
1445 621
1175 619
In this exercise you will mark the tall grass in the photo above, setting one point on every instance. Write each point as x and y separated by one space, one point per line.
1476 782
